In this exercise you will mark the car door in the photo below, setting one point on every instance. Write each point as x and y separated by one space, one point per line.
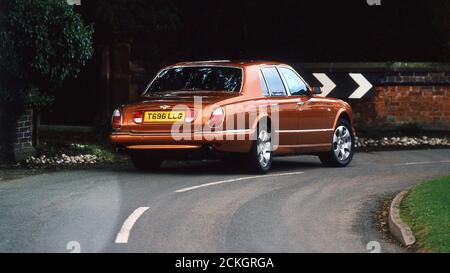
315 113
288 113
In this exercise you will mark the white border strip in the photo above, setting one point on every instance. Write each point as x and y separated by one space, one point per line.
234 180
423 163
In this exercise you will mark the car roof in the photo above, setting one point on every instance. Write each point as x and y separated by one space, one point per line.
239 63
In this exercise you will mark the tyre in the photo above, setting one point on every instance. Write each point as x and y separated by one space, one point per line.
343 146
143 163
260 156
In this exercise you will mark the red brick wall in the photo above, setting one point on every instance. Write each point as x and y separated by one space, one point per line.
397 105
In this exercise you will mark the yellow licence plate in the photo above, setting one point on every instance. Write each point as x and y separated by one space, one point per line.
160 116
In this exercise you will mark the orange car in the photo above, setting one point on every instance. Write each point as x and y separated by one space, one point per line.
243 112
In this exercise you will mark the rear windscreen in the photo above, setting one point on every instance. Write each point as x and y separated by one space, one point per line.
204 78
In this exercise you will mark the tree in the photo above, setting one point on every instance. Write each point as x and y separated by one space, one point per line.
439 11
148 26
42 43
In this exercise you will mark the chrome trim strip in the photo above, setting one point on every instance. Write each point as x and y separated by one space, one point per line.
222 132
187 134
304 145
305 131
228 132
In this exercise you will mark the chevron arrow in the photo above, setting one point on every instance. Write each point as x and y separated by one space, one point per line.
327 83
364 86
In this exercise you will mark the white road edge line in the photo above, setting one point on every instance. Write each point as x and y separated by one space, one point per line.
422 163
234 180
124 233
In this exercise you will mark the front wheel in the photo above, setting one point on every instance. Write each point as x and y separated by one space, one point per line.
343 145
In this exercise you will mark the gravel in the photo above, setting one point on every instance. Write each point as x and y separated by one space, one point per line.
64 160
402 142
61 160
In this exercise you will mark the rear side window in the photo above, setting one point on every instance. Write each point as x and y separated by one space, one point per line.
264 86
274 82
297 86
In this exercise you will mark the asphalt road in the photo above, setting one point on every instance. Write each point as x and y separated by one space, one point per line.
206 207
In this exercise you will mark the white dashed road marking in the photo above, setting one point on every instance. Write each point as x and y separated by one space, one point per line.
235 180
423 163
124 233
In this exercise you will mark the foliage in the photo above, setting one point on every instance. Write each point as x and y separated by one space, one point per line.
149 26
439 11
56 148
42 43
133 16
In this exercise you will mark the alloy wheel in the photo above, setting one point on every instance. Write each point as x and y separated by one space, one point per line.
342 143
264 148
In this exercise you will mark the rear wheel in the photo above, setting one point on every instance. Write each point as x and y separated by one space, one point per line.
260 156
342 150
144 163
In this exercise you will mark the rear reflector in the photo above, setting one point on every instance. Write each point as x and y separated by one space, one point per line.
138 116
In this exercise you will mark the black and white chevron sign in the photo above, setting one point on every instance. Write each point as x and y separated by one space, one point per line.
343 85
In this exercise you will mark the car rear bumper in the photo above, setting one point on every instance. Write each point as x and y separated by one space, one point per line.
238 141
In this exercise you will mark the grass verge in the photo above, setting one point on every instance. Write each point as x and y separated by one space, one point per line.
426 209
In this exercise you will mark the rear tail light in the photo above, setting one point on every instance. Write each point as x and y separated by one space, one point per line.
217 118
138 116
116 120
191 115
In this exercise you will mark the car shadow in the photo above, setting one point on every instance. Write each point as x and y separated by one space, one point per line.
217 167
